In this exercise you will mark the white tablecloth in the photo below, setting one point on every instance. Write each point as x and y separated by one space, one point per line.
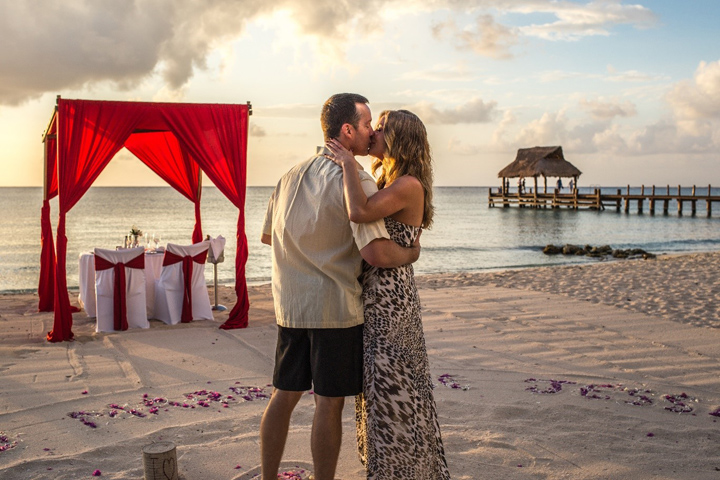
86 274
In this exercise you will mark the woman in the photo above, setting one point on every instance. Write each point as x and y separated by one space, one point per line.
397 426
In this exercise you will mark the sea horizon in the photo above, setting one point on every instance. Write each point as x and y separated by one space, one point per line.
468 235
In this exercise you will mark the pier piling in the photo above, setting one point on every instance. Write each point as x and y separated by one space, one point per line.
597 200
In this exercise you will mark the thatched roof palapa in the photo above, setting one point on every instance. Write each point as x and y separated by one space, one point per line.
540 161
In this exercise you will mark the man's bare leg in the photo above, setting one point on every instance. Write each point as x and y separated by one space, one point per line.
274 429
326 435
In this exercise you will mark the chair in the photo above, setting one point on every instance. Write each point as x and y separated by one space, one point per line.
181 294
120 290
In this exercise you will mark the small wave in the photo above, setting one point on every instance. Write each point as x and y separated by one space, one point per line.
18 291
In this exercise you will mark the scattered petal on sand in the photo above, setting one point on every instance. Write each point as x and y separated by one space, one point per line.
6 443
554 387
450 382
679 403
201 398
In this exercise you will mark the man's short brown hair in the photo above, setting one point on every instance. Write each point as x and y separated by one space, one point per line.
339 110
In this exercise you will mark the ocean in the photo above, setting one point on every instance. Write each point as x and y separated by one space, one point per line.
467 234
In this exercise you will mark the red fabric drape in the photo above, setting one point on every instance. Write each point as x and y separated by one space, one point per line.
89 134
46 287
216 139
46 284
187 268
120 288
161 152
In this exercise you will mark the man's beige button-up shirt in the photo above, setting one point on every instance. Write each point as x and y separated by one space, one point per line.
315 247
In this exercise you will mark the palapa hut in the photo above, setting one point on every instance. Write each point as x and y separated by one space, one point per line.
540 161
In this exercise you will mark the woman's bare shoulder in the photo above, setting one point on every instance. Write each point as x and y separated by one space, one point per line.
408 183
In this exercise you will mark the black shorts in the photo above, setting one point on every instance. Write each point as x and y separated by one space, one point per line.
329 360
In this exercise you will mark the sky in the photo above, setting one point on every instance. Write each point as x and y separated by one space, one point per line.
629 89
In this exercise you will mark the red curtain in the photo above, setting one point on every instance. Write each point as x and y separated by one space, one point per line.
46 284
89 134
46 287
161 152
216 138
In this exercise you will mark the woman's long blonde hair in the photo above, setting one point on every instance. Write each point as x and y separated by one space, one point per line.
407 152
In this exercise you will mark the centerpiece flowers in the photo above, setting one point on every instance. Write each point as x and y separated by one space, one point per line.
135 234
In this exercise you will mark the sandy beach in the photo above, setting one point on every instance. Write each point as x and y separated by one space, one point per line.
609 370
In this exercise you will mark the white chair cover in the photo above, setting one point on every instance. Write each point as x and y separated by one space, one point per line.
170 288
134 291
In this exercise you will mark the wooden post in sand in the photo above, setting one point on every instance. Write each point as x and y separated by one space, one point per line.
160 461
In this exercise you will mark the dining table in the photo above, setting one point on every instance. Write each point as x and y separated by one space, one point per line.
86 280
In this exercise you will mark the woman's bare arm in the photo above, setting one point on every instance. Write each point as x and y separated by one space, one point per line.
403 192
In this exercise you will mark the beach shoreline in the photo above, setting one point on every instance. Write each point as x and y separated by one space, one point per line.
602 370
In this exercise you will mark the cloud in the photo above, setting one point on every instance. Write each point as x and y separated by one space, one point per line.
601 109
610 140
665 137
256 130
575 20
554 128
457 147
633 76
474 111
700 98
572 21
550 129
441 73
68 45
298 110
508 120
63 45
71 45
486 37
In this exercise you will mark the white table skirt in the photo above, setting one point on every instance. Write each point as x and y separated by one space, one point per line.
86 279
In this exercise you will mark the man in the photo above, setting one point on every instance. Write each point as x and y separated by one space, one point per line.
317 256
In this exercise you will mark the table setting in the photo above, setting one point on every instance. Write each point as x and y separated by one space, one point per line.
154 253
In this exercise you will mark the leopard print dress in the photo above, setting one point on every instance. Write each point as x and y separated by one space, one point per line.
397 427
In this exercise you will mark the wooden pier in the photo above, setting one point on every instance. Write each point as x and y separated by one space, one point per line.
597 200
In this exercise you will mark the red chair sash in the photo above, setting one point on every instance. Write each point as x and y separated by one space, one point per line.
119 288
187 268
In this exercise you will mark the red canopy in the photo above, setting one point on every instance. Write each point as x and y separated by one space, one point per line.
176 140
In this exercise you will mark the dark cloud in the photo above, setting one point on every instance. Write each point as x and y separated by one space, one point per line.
57 45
